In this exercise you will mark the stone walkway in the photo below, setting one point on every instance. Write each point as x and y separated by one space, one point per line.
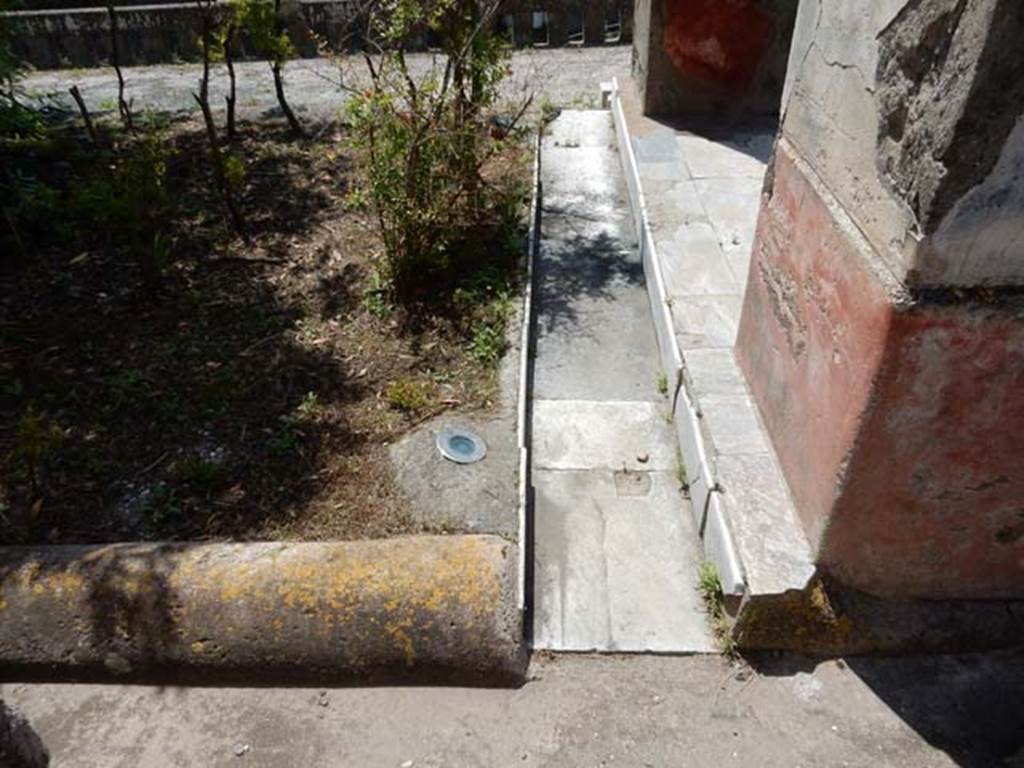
615 547
695 192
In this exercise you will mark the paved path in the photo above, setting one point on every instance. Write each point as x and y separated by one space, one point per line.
578 712
615 553
564 75
701 186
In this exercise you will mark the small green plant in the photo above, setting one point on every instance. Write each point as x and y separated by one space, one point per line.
681 476
376 298
309 407
662 383
548 110
488 343
36 439
198 472
234 171
710 587
284 442
407 395
129 202
356 199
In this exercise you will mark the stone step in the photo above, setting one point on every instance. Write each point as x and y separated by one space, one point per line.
694 202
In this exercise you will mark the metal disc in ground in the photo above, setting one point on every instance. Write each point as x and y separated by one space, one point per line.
461 445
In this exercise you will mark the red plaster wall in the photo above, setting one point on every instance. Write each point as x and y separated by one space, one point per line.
811 337
900 428
935 490
721 41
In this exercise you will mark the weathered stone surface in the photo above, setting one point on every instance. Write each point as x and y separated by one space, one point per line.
573 434
909 112
769 541
429 606
616 558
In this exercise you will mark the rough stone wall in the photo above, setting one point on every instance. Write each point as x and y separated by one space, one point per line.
712 57
906 110
153 34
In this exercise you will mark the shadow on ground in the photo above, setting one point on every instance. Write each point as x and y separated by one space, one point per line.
201 403
969 706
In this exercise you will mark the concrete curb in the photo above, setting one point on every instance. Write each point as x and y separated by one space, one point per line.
425 608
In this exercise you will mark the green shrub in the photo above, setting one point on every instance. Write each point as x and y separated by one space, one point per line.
423 145
408 395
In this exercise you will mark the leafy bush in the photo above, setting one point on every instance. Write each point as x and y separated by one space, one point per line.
130 200
427 155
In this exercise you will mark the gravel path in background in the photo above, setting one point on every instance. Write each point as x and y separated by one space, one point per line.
566 76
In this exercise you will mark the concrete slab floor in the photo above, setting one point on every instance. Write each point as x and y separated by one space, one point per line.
615 547
635 711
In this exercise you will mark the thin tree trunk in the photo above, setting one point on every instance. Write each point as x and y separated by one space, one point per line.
203 99
86 117
293 122
237 222
229 39
115 59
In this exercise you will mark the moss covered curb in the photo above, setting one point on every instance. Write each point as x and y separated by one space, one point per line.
424 607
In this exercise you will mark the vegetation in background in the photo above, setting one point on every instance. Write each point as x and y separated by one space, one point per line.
264 24
227 170
443 191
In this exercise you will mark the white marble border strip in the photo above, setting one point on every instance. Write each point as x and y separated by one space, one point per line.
719 546
526 339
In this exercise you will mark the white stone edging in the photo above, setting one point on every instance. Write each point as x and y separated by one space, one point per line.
526 337
723 553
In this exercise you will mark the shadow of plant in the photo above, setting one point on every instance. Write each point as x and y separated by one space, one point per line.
207 404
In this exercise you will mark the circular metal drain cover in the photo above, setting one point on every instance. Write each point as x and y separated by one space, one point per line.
461 445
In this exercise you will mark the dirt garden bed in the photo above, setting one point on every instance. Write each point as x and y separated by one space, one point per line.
223 390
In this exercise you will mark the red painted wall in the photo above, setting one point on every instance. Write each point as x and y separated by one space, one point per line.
721 41
900 428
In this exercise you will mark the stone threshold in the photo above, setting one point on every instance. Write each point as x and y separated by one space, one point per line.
747 521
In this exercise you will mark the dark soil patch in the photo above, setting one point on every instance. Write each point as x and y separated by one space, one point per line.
247 391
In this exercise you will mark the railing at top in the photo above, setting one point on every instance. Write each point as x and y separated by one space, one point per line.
154 34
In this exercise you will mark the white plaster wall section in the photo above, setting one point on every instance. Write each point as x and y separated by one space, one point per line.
830 114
